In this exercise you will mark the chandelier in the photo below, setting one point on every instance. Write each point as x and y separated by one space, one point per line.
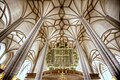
62 76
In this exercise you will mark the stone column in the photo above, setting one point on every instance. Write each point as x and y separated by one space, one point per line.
33 68
19 57
10 28
108 57
112 21
88 64
41 60
83 64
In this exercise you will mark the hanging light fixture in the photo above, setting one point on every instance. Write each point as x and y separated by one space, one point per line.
62 76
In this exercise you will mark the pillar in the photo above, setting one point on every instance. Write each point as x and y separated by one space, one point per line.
35 63
89 64
83 64
108 57
19 57
41 60
10 28
33 68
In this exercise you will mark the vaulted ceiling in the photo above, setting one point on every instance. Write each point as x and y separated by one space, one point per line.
61 24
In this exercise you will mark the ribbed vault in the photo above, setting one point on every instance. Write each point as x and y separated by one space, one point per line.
61 24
